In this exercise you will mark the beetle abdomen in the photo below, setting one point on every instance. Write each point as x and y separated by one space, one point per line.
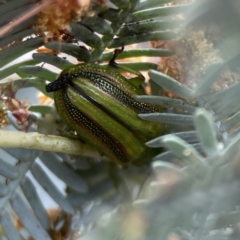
97 103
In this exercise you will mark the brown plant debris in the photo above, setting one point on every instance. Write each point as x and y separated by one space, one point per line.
19 109
56 17
194 51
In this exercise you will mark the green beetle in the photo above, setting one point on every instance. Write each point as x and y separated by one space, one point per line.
97 102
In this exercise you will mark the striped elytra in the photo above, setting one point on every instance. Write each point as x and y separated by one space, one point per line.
97 102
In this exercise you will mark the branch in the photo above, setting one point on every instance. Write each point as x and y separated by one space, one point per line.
35 10
14 139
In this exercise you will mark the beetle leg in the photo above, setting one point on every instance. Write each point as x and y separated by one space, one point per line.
139 79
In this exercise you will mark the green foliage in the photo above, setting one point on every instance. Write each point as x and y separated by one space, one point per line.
202 152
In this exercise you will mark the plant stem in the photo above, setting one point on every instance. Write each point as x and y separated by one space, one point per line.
10 139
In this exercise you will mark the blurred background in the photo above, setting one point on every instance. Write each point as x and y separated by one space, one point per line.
188 51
